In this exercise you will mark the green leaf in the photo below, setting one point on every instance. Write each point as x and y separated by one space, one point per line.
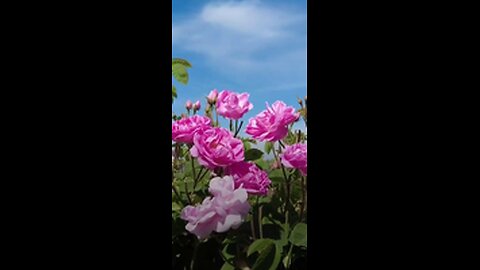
269 254
259 245
182 62
253 154
174 93
180 73
227 266
268 147
298 237
262 164
246 145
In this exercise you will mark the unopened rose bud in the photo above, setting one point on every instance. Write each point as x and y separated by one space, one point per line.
275 165
299 100
212 97
196 106
188 105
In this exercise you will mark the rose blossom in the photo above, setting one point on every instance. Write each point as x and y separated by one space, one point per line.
184 129
250 177
233 105
216 147
212 97
227 209
295 156
271 124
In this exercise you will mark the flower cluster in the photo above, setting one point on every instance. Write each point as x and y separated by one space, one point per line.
218 150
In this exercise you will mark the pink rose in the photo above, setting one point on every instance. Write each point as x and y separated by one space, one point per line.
233 105
227 209
212 97
250 177
216 147
184 129
188 105
272 123
295 156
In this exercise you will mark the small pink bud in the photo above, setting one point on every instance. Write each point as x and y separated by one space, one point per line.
196 106
212 97
188 105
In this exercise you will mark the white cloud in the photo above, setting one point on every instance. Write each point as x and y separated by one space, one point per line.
245 36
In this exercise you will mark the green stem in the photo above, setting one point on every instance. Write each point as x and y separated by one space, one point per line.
216 115
302 208
231 125
197 178
238 130
252 228
178 194
287 182
193 168
289 255
194 256
188 193
260 227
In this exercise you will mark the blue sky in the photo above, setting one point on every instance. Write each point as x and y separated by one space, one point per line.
250 46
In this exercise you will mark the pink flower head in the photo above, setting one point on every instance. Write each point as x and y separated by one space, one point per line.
272 124
188 105
212 97
197 105
295 156
216 147
184 129
250 177
233 105
227 209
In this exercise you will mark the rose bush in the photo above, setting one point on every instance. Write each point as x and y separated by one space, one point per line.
238 201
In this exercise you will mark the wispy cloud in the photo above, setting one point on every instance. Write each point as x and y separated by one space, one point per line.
250 37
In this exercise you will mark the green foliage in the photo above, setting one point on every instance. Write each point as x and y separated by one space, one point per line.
179 73
299 235
253 154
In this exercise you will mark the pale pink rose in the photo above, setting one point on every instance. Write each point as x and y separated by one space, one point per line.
212 97
250 177
184 129
272 124
227 209
295 156
188 105
197 105
216 147
233 105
